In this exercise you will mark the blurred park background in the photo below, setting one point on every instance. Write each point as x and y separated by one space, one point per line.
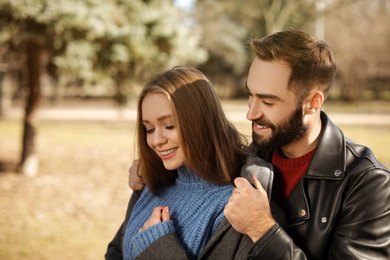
70 73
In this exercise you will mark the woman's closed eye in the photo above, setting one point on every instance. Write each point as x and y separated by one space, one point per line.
149 130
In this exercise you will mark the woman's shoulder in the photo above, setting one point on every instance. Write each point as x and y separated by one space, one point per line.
262 170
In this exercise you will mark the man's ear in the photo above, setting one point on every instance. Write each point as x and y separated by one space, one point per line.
313 103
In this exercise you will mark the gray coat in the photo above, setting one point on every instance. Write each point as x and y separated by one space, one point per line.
226 243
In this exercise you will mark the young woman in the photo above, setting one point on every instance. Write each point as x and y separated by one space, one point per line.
189 156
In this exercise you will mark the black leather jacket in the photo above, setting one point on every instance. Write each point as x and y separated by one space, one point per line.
339 210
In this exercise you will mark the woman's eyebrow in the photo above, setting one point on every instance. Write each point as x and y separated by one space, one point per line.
161 118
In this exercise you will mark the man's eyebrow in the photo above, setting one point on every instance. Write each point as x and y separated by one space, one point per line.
264 96
161 118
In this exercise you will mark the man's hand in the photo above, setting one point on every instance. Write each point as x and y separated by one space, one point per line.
248 209
135 178
159 214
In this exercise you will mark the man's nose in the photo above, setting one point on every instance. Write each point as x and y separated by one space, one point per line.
254 111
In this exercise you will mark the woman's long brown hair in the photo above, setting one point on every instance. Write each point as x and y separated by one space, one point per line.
213 148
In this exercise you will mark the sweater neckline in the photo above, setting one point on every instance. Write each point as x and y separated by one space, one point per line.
303 160
187 176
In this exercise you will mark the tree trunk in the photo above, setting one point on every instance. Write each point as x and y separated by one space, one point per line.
121 98
121 90
29 160
350 90
7 85
3 96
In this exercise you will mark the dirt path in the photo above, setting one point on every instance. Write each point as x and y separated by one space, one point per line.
107 111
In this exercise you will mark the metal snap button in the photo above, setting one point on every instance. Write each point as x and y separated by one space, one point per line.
337 173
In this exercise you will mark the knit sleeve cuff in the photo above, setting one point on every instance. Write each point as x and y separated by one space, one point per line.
145 238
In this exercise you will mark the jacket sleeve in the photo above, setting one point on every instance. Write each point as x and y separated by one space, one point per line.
114 249
167 247
225 243
275 244
144 239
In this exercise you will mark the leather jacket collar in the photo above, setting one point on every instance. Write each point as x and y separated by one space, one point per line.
326 162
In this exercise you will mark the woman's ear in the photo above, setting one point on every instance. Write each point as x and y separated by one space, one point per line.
314 102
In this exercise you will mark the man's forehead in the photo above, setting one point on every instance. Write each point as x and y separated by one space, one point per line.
268 74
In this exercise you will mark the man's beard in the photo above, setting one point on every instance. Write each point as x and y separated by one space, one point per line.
282 134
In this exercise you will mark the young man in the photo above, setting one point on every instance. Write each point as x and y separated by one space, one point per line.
335 194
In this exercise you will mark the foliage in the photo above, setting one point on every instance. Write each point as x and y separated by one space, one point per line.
361 47
228 26
88 37
222 36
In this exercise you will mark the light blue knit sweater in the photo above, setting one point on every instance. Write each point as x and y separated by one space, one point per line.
196 209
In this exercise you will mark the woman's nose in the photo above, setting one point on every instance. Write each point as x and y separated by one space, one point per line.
159 137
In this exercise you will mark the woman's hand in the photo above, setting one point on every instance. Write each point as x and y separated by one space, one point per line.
135 177
159 214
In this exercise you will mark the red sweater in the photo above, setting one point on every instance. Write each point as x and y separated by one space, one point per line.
288 172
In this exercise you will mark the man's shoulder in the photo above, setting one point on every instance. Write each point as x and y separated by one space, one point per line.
358 158
362 158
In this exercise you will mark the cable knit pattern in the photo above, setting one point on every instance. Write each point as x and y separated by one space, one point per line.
196 209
